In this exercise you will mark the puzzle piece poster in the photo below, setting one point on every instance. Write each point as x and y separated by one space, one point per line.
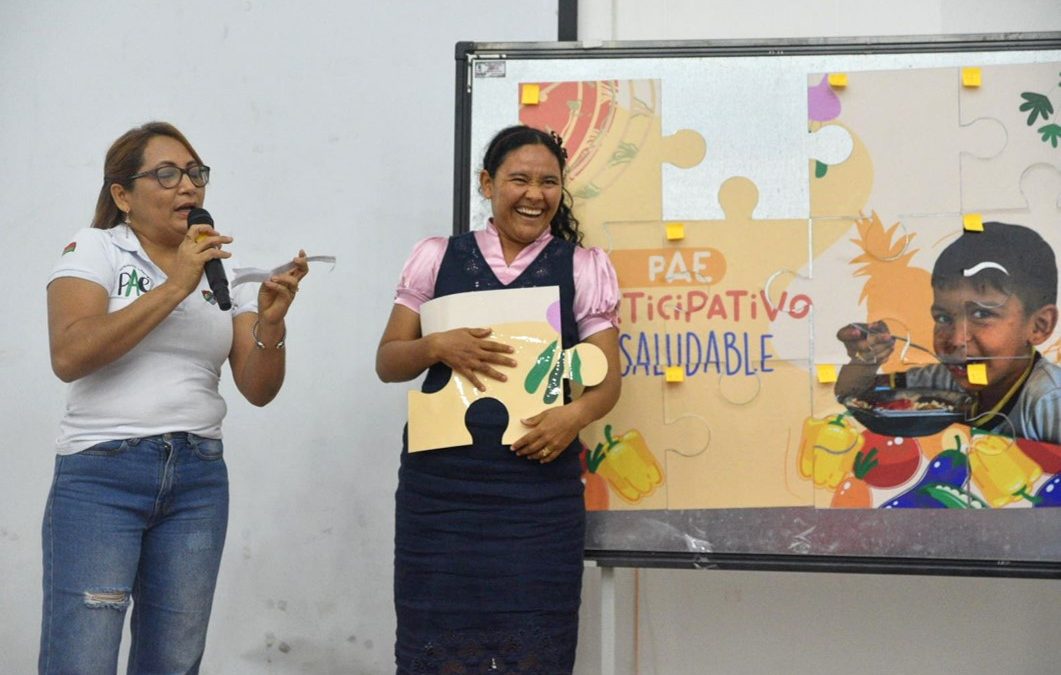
744 242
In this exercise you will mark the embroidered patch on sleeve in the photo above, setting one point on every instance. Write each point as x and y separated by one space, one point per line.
70 248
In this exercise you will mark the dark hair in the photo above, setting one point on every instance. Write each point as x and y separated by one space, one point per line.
564 224
1030 267
123 160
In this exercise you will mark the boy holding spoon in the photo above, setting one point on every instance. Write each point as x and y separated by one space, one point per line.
994 303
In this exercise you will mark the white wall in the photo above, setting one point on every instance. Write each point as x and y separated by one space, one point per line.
329 125
680 622
746 19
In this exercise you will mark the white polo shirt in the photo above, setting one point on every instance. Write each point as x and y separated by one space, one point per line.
169 381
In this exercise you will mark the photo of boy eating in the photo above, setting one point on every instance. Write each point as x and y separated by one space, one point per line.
994 303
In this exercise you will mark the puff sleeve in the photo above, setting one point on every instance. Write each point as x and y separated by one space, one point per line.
596 292
417 283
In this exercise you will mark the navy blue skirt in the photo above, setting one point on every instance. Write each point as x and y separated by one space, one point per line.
488 559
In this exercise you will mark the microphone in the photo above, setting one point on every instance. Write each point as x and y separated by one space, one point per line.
215 273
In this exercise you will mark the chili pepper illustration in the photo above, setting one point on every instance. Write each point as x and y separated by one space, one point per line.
629 466
595 493
827 449
1003 473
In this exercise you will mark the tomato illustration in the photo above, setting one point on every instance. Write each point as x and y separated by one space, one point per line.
897 459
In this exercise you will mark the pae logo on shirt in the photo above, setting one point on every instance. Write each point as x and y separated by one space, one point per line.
133 280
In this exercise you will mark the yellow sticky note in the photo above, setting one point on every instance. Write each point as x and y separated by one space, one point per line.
974 222
675 374
977 373
675 231
971 77
826 373
530 94
838 80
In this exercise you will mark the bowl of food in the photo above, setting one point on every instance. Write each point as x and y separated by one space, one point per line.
909 412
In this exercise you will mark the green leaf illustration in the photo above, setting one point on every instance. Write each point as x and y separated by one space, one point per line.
588 192
1036 105
576 368
540 368
555 385
1051 134
820 168
624 153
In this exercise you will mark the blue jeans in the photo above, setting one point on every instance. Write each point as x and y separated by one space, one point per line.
140 520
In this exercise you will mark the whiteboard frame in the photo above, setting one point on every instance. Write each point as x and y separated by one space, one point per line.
806 539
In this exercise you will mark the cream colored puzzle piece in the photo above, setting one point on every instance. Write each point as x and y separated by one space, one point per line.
436 420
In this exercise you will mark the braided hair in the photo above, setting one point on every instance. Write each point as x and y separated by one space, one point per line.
564 224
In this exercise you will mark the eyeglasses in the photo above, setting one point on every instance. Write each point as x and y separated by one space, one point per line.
170 176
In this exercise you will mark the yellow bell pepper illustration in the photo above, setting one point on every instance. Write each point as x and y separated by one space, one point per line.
1003 473
629 466
827 449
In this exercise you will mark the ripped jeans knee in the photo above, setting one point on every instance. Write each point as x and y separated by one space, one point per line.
107 599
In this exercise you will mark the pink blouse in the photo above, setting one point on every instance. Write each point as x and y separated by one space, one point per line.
596 286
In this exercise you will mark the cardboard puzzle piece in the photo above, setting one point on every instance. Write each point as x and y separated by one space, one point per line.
747 463
1024 100
957 468
693 303
850 466
612 131
654 277
840 191
1041 183
829 143
437 419
866 279
901 119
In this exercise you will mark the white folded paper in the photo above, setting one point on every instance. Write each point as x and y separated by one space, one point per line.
242 275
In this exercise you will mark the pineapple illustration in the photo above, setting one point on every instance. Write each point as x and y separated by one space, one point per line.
894 292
